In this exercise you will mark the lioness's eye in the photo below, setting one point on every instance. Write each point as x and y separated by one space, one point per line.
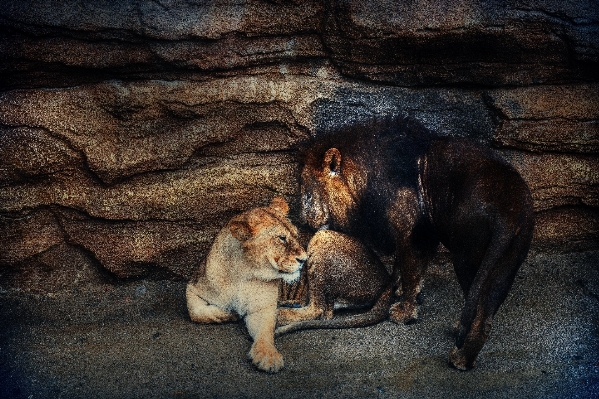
283 239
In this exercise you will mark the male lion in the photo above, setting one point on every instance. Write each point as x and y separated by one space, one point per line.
403 189
341 270
242 273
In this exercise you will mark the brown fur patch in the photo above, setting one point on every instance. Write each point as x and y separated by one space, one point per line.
340 268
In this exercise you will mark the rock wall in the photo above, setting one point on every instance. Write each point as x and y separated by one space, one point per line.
131 131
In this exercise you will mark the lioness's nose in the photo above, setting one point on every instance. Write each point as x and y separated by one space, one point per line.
301 261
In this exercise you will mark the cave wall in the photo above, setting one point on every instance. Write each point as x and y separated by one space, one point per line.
131 131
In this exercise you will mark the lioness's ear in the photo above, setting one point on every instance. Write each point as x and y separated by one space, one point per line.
331 164
280 205
240 229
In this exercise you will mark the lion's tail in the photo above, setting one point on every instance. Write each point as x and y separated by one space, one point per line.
378 313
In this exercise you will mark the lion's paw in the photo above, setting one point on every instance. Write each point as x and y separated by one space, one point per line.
266 357
458 360
404 312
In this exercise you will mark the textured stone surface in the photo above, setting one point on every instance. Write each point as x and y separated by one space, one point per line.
573 228
464 42
549 118
131 131
558 180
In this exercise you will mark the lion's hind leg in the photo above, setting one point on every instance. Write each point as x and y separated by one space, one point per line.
485 289
201 311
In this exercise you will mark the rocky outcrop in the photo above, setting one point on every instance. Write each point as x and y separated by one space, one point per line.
464 42
554 131
130 132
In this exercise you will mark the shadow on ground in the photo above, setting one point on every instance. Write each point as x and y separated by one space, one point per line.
135 341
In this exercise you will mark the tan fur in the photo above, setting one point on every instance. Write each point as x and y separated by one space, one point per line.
341 270
242 274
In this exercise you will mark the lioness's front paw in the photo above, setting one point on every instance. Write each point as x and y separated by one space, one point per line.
266 357
404 312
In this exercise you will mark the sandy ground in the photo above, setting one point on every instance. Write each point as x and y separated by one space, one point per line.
135 341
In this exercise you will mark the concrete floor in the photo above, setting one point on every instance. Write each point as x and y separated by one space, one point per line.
135 340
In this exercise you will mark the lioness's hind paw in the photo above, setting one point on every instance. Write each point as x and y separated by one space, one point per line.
404 312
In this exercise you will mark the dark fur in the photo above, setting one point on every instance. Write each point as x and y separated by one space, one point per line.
388 149
415 190
341 268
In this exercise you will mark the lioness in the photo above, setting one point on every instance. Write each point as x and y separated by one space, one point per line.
403 189
340 269
241 277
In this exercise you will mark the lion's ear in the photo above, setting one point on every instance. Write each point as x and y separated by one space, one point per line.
331 163
240 229
280 205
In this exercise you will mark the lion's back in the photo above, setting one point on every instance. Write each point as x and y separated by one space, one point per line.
343 263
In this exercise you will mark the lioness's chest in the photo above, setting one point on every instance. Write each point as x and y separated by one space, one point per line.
253 295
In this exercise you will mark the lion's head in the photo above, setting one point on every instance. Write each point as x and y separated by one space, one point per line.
330 190
270 242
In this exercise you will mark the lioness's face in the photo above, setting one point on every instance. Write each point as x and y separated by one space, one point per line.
270 242
281 251
326 199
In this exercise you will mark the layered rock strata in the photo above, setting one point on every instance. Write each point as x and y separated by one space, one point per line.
130 132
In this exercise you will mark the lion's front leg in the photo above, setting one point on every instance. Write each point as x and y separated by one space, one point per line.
261 326
410 257
411 276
